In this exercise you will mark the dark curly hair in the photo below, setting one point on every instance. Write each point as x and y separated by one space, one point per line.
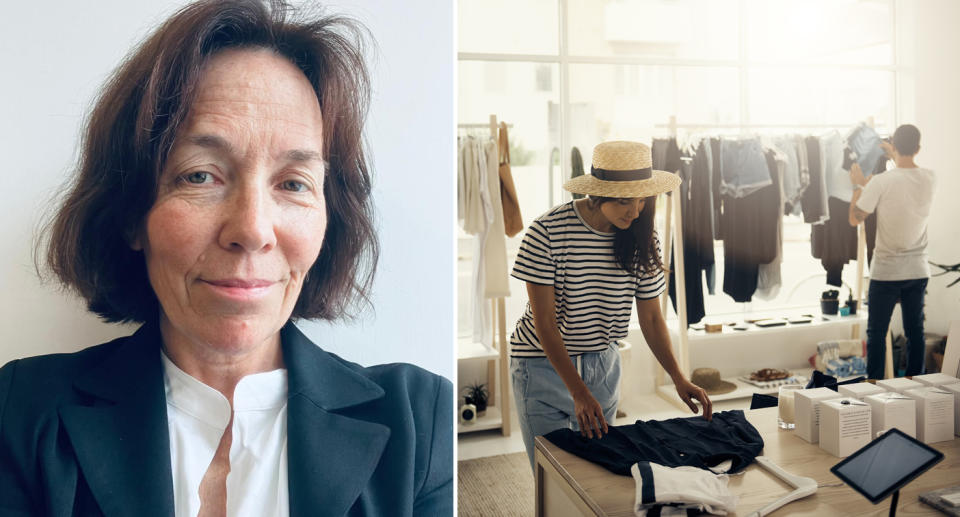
132 127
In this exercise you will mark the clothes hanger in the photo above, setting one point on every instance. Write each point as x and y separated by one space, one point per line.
803 486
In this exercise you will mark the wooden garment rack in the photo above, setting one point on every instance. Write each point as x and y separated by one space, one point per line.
673 228
498 374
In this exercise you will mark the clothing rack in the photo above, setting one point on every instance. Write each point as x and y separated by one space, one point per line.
499 392
673 228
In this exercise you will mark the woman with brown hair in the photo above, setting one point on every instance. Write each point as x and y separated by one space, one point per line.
223 191
585 263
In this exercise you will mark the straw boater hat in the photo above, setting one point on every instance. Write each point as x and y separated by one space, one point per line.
709 380
625 170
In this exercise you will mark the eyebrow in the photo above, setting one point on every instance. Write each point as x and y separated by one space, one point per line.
218 143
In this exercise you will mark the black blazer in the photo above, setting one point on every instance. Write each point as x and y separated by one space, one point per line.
86 434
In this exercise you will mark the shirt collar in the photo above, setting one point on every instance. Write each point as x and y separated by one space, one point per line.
258 391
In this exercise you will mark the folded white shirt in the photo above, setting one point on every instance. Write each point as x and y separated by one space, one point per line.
676 489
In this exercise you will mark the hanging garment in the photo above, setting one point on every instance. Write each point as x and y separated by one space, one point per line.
477 212
790 183
768 274
812 201
693 285
750 237
496 282
512 220
743 167
665 154
691 441
696 207
576 167
792 204
475 159
676 490
835 241
715 189
838 177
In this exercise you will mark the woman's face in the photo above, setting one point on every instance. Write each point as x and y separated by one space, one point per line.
240 213
623 211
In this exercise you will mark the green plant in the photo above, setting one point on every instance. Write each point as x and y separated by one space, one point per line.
477 395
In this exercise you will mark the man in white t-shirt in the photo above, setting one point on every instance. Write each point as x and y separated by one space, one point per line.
899 272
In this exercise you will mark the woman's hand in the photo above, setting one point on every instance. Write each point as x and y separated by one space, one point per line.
589 414
689 391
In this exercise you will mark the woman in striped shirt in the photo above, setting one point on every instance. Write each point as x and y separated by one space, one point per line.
585 262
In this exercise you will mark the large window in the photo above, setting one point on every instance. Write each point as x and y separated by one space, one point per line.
571 73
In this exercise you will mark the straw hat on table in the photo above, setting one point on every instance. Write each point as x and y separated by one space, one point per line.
623 170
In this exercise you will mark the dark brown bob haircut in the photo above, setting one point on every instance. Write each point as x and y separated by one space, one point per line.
133 125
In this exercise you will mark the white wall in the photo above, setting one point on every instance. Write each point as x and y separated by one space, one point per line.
937 109
56 54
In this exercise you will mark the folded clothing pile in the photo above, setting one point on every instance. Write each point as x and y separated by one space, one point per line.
667 491
847 367
840 358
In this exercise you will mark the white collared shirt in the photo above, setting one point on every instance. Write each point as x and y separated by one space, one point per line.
197 416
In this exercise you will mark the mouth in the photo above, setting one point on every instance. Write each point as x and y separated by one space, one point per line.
240 288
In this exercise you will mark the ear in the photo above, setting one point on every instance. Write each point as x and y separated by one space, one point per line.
133 240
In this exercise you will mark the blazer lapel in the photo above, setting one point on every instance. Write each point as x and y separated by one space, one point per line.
121 440
330 456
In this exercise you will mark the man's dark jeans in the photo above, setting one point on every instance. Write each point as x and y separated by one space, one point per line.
882 296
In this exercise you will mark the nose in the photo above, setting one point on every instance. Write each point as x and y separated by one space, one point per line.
248 220
636 207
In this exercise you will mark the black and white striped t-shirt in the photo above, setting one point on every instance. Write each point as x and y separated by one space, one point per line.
593 294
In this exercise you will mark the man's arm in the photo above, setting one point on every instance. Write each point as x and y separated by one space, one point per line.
855 215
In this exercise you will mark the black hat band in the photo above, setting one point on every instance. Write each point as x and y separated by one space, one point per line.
631 175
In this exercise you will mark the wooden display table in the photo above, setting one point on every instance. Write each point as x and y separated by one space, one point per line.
567 485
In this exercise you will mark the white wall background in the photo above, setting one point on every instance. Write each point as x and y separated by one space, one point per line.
937 105
55 56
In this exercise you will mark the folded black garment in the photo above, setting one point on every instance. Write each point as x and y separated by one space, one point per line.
676 442
822 380
760 401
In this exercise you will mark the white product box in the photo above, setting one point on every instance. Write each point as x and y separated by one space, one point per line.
807 407
844 425
899 384
934 413
955 390
860 390
892 410
935 379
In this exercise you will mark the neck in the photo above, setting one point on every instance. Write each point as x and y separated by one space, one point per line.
217 368
593 216
905 162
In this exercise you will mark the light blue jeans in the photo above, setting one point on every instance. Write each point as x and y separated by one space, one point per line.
743 167
543 402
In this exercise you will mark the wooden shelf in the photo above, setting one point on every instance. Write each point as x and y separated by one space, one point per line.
491 419
744 389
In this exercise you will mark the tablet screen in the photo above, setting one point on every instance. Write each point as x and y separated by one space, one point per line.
886 464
